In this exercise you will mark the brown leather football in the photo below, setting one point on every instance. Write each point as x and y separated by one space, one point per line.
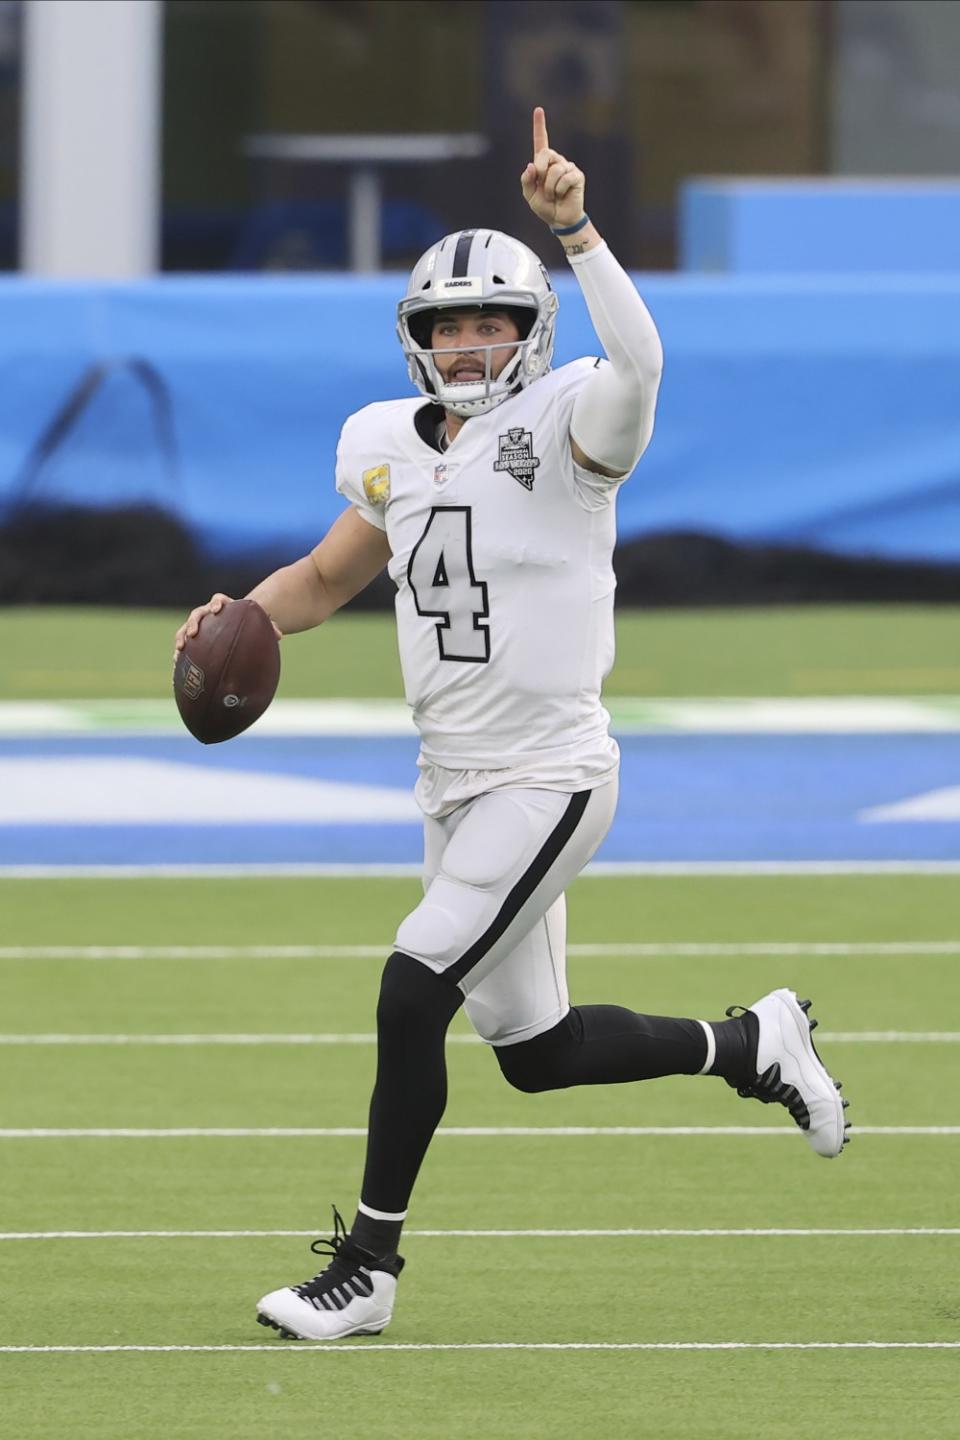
227 674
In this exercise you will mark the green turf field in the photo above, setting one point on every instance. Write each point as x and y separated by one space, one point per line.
640 1289
811 650
457 1291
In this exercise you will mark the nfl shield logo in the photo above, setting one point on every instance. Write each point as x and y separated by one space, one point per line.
191 679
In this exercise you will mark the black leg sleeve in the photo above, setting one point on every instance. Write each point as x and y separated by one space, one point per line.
410 1095
603 1045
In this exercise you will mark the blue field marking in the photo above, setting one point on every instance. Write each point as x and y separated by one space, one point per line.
373 760
699 797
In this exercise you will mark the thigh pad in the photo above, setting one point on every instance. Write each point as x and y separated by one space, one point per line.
480 865
494 843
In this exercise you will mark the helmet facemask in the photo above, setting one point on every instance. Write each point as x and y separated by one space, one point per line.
477 270
476 397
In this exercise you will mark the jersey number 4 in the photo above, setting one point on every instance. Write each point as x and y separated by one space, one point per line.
445 588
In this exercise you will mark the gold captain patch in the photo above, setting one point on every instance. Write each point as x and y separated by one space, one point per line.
376 484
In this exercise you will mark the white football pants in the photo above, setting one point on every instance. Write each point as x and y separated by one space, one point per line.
493 915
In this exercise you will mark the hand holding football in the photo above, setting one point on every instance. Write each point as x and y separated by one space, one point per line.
226 672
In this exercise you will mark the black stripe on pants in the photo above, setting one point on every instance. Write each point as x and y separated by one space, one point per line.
524 888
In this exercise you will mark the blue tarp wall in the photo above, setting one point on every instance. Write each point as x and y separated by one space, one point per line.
823 224
820 411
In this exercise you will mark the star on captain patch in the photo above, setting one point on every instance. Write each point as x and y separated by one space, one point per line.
376 484
517 457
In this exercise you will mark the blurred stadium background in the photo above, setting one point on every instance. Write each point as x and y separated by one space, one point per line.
785 171
206 211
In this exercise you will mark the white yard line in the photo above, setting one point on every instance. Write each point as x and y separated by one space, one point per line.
456 1132
110 718
889 1037
598 868
848 1233
320 1039
697 948
627 949
238 871
198 952
833 1037
341 1347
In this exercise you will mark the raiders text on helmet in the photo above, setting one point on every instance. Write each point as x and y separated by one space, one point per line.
482 267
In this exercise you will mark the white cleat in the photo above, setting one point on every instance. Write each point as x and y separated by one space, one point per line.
354 1295
790 1072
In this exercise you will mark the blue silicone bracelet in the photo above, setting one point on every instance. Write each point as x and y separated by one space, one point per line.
572 229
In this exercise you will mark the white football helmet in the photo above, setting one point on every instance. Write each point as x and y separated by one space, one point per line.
465 270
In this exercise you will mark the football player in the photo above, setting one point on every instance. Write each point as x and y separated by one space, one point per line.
490 499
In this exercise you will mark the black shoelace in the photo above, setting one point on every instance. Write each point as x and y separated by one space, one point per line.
345 1278
769 1089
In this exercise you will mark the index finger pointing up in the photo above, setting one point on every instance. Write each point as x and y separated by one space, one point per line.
540 141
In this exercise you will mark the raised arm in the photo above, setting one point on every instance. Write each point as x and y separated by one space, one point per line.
612 417
304 594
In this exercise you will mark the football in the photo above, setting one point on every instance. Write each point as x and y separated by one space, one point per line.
227 674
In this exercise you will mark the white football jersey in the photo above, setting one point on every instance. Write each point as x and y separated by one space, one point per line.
502 557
